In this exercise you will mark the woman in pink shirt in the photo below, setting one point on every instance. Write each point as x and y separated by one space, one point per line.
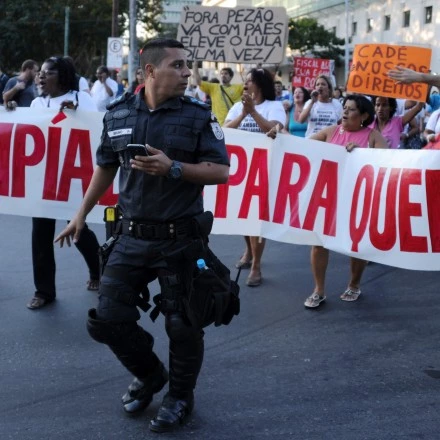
352 132
387 123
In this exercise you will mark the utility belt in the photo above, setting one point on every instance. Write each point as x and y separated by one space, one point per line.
174 230
203 297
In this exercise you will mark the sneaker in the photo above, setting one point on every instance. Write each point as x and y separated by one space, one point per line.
351 294
314 300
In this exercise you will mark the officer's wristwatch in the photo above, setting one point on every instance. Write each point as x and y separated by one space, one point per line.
175 171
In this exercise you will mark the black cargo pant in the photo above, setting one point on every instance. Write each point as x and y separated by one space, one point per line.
132 264
43 256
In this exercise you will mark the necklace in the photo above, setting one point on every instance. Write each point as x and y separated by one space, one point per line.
341 130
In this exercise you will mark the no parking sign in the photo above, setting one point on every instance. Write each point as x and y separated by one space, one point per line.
114 53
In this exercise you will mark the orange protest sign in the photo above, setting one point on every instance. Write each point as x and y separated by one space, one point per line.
371 63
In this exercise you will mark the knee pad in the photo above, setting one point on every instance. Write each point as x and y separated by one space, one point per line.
178 329
116 333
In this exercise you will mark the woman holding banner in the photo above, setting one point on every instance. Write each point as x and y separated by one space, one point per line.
58 86
258 112
321 110
352 132
389 125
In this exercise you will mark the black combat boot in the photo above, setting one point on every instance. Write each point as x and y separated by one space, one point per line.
185 360
172 413
133 346
140 392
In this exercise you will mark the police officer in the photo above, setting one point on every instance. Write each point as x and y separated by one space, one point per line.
160 200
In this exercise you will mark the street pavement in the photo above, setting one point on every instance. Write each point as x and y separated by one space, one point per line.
368 370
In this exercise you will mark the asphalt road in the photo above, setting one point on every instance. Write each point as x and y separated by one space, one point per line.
368 370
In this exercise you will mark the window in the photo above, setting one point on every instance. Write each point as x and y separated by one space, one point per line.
354 26
428 14
406 18
369 25
387 23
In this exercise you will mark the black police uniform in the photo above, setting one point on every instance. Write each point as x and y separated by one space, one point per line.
156 222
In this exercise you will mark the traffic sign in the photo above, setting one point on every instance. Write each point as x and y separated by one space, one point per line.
114 52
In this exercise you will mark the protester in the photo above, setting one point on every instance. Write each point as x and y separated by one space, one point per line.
138 83
338 94
21 90
3 80
82 84
57 83
280 93
411 135
387 123
163 228
121 88
104 89
300 96
409 76
223 95
353 131
321 110
432 128
257 112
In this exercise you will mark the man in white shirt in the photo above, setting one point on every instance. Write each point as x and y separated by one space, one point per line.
104 89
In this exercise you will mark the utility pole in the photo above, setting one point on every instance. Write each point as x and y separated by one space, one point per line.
133 54
346 40
115 12
66 30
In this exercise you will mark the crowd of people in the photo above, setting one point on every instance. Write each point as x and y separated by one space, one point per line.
161 202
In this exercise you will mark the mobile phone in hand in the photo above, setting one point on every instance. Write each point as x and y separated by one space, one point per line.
137 150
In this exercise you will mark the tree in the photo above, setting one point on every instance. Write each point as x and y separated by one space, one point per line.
35 29
307 36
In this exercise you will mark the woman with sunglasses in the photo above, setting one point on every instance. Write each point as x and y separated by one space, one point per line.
257 112
57 83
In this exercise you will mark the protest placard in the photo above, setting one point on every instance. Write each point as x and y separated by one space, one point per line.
237 35
307 69
371 63
375 204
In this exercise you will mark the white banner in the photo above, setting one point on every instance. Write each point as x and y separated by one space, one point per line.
381 205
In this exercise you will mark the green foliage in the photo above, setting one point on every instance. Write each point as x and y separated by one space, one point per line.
35 29
307 36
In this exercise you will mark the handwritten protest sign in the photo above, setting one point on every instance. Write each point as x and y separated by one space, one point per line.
379 205
237 35
371 63
307 69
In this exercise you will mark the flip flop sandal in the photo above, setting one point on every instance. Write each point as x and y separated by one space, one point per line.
93 285
351 295
37 303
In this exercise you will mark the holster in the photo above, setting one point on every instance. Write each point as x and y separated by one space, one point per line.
204 297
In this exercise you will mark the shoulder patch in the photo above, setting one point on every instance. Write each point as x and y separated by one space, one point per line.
217 130
195 101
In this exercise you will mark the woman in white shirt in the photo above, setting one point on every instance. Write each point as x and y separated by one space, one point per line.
321 110
57 83
257 112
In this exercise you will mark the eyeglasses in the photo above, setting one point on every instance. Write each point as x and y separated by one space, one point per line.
47 72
